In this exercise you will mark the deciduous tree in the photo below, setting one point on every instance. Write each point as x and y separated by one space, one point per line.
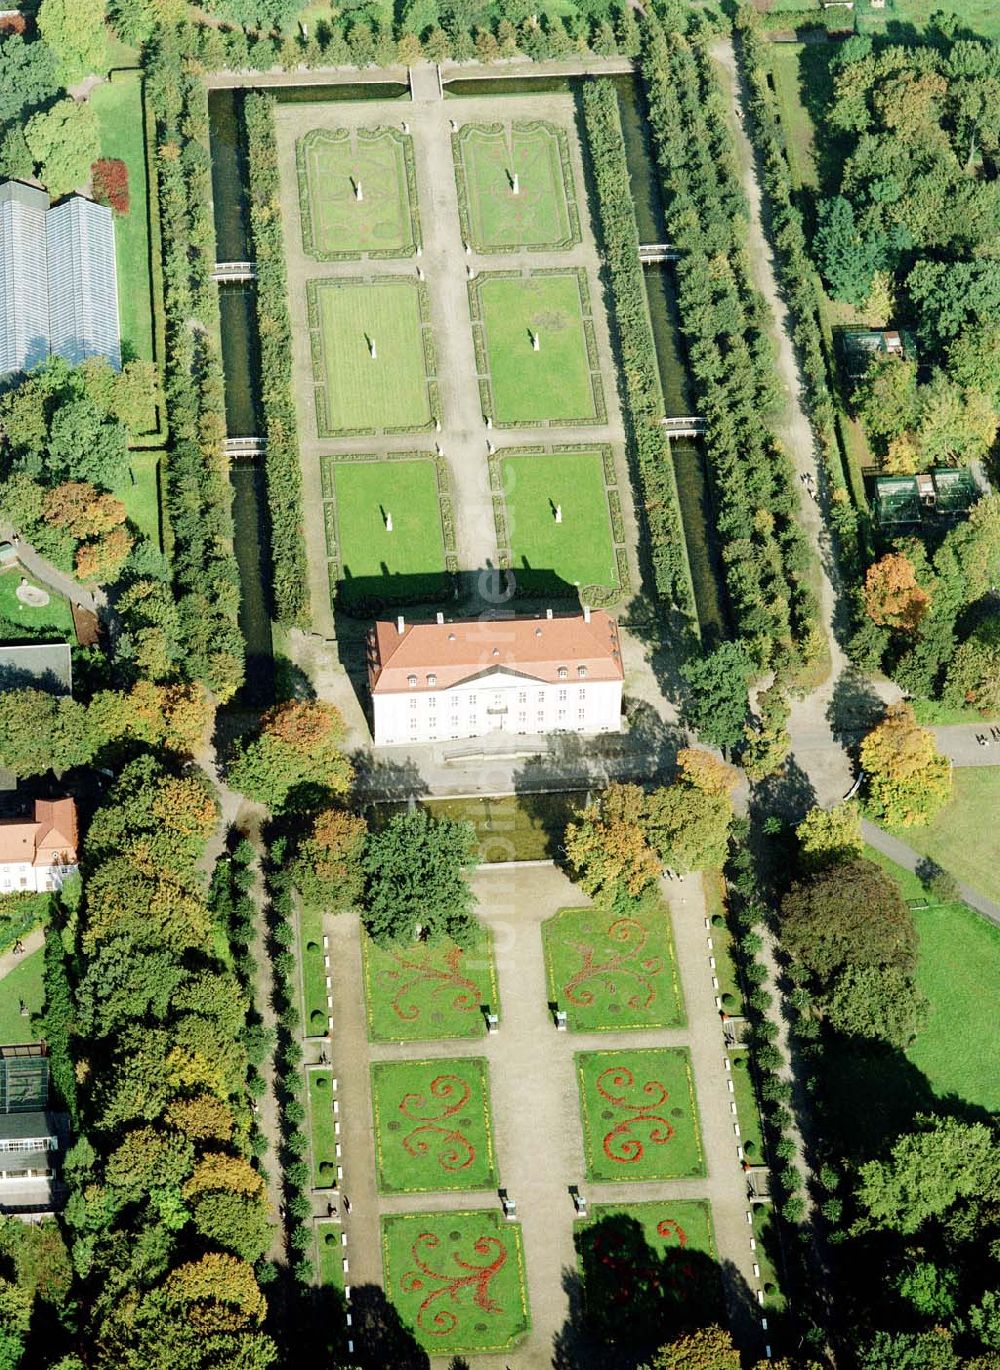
707 1348
717 706
299 744
930 1169
892 596
850 914
907 779
327 868
415 877
63 141
877 1002
74 30
606 845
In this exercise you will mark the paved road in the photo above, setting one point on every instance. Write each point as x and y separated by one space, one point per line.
909 859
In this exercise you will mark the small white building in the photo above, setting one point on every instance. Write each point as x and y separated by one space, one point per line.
433 682
40 854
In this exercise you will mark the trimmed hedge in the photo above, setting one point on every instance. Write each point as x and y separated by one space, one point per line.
726 323
198 492
289 578
800 287
643 396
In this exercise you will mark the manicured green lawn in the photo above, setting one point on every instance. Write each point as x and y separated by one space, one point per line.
785 63
410 560
432 1126
315 1011
140 493
747 1111
982 17
579 550
640 1119
332 163
427 992
321 1130
962 838
120 124
539 214
643 1264
457 1279
356 391
611 972
54 619
23 984
522 827
554 382
329 1255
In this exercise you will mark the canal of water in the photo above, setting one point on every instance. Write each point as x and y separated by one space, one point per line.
240 349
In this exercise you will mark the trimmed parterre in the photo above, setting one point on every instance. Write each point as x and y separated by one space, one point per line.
515 186
357 193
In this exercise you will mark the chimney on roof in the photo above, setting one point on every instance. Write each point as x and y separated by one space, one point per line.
548 613
586 613
400 625
440 617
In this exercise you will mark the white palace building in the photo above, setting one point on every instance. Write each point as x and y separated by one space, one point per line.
435 682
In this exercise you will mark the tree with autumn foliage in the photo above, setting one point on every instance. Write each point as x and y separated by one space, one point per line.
606 845
103 559
688 822
893 599
828 836
706 1348
907 780
109 183
82 510
327 869
298 747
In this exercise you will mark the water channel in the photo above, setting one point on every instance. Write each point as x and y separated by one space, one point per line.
240 348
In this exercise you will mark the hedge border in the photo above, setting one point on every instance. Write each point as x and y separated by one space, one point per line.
405 142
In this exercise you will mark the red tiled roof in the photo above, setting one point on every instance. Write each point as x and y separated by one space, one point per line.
53 834
454 652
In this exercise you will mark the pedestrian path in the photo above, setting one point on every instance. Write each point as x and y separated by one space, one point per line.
909 859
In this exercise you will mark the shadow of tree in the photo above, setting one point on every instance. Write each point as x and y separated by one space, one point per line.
854 707
626 1298
380 1338
389 778
787 794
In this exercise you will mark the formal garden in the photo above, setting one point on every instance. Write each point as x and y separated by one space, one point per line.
560 525
640 1120
607 971
457 1280
430 991
432 1125
535 348
515 186
389 526
357 194
373 356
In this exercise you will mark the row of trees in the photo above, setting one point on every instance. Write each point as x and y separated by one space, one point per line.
289 587
167 1212
907 1192
640 370
928 618
198 493
726 325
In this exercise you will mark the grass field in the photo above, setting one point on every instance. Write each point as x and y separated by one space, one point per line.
410 560
357 392
53 619
580 549
329 1255
429 992
957 969
140 494
456 1279
746 1106
642 1264
540 214
121 131
432 1126
553 383
23 984
958 838
321 1128
524 827
332 163
315 1011
981 17
640 1120
785 63
611 972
